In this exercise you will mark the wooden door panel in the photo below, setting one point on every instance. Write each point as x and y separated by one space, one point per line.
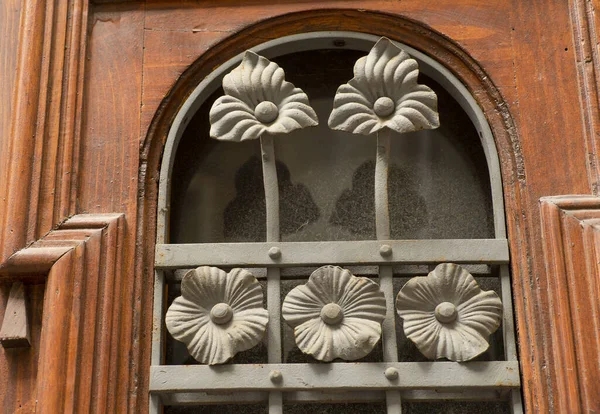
98 84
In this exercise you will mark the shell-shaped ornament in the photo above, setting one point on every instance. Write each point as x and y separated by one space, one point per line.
218 314
335 314
384 93
447 315
258 100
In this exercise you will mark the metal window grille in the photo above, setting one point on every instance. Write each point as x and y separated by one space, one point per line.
364 381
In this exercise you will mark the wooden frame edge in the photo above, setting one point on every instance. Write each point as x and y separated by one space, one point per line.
81 262
571 243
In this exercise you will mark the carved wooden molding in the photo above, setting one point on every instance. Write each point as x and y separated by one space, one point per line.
571 242
15 331
81 262
39 171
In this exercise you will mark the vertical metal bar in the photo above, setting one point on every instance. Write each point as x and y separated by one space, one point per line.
382 212
508 328
157 332
382 226
271 186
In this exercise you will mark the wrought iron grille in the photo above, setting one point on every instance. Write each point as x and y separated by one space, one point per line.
277 382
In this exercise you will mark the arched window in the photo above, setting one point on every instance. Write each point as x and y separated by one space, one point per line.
445 206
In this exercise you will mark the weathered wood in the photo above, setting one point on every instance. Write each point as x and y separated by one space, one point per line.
42 150
519 71
415 375
110 179
571 241
15 331
81 317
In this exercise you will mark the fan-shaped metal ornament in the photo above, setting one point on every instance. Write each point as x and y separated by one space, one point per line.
258 100
218 314
447 315
335 314
384 93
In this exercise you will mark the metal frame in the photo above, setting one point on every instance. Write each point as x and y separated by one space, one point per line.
182 385
473 251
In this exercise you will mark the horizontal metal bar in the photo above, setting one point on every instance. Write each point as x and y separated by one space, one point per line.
203 398
474 251
337 376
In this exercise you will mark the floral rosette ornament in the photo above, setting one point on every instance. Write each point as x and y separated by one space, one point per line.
258 100
384 94
447 315
335 314
218 314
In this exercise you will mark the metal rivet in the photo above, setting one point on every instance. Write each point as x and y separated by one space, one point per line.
385 250
274 253
391 373
275 376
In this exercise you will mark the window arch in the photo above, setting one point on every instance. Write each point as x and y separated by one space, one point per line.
490 251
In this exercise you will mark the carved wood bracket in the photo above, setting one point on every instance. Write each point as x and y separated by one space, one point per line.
571 242
80 262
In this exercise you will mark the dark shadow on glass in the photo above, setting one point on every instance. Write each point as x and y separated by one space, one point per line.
354 209
245 216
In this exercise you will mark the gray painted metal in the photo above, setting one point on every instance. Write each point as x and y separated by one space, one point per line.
447 315
477 270
482 251
323 40
340 376
405 252
196 398
508 323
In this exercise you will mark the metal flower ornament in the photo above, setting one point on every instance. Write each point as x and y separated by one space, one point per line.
447 315
218 314
258 100
335 314
384 94
384 97
259 103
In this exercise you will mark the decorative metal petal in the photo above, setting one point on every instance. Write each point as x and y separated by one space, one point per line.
256 80
387 71
362 305
478 313
188 318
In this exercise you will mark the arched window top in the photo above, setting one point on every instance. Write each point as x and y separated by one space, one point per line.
445 205
462 144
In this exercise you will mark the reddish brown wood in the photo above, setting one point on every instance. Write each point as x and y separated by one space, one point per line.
110 154
42 155
525 168
80 330
94 106
15 330
571 241
587 51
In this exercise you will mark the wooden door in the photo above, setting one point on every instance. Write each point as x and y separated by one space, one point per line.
89 90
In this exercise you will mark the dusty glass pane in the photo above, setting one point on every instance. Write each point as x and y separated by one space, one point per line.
456 407
370 408
438 185
218 409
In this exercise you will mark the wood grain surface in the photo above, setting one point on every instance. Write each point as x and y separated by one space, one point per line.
98 86
571 241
